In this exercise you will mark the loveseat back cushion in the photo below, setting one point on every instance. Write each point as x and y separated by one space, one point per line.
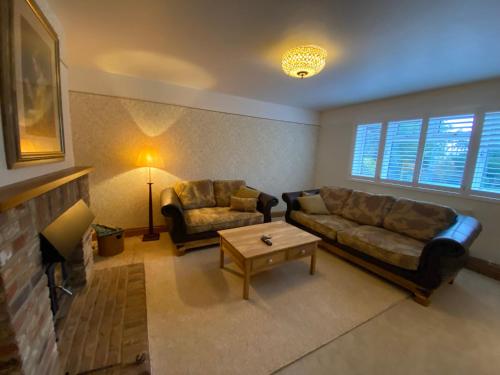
334 198
224 189
365 208
420 220
393 248
195 194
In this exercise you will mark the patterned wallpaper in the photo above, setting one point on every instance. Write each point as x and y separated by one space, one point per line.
108 133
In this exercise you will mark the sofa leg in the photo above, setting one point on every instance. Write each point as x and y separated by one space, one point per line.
451 281
422 298
180 250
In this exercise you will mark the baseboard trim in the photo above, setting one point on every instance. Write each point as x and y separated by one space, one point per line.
140 231
278 213
484 267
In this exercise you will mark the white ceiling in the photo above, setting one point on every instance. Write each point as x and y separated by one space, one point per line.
377 48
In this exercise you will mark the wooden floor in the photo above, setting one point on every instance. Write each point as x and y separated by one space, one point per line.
106 326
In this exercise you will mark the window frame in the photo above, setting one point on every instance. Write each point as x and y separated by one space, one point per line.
465 190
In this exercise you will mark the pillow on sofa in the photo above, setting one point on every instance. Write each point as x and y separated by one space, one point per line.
246 192
420 220
334 198
369 209
195 194
224 189
243 204
313 204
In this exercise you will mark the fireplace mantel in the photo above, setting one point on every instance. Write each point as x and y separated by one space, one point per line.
15 194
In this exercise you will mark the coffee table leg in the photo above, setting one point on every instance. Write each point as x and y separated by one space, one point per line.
313 262
221 257
246 282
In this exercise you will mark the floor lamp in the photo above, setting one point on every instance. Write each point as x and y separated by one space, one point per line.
150 158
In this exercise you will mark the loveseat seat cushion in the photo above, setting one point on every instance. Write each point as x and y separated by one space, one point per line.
390 247
224 189
327 225
420 220
195 194
217 218
334 198
365 208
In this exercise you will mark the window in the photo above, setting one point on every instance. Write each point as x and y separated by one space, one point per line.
487 172
445 151
364 161
400 152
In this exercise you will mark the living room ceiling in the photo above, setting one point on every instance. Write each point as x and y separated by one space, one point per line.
377 48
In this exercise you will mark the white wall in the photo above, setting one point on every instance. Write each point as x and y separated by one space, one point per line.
336 139
10 176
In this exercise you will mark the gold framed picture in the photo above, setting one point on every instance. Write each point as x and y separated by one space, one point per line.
30 85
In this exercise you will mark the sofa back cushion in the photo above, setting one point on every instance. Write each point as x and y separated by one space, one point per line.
223 189
334 198
419 220
195 194
368 209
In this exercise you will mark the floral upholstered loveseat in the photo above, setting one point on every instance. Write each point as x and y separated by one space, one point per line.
198 209
417 245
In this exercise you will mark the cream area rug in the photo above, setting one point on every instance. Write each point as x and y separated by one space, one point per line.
199 323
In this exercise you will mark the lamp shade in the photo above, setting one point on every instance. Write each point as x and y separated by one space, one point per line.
149 158
304 61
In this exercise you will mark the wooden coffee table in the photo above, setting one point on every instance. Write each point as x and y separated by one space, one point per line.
252 255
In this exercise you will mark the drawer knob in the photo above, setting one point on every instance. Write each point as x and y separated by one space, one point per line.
303 251
270 260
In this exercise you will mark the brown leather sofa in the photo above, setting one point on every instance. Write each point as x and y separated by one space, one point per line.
196 210
418 258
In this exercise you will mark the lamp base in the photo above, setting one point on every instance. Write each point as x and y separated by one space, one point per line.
151 237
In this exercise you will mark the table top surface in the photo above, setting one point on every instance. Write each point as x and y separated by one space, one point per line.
246 240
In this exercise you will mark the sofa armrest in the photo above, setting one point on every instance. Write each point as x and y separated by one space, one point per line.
171 208
448 252
291 200
265 203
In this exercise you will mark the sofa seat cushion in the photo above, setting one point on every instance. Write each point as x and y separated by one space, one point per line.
217 218
335 198
368 209
327 225
420 220
394 248
224 189
195 194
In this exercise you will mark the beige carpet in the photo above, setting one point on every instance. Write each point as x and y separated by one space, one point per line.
203 326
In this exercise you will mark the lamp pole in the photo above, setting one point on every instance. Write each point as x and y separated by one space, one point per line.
151 235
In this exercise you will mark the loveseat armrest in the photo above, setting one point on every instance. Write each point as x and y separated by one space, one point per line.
171 208
448 251
264 205
291 200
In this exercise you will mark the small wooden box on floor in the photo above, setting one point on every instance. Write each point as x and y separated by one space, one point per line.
110 245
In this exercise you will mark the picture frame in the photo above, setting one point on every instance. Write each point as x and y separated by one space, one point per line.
30 86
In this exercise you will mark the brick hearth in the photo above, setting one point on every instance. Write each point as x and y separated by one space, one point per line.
27 338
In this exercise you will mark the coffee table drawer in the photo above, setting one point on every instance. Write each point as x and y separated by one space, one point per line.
302 251
268 261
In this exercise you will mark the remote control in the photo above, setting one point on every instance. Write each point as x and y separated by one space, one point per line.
266 240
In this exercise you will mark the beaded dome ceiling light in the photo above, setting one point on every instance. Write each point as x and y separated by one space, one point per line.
304 61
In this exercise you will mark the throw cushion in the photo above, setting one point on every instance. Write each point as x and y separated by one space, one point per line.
195 194
419 220
313 204
369 209
224 189
243 204
246 192
334 198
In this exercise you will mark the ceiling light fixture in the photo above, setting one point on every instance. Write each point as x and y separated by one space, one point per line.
304 61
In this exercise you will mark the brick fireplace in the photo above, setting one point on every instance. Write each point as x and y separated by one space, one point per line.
27 336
